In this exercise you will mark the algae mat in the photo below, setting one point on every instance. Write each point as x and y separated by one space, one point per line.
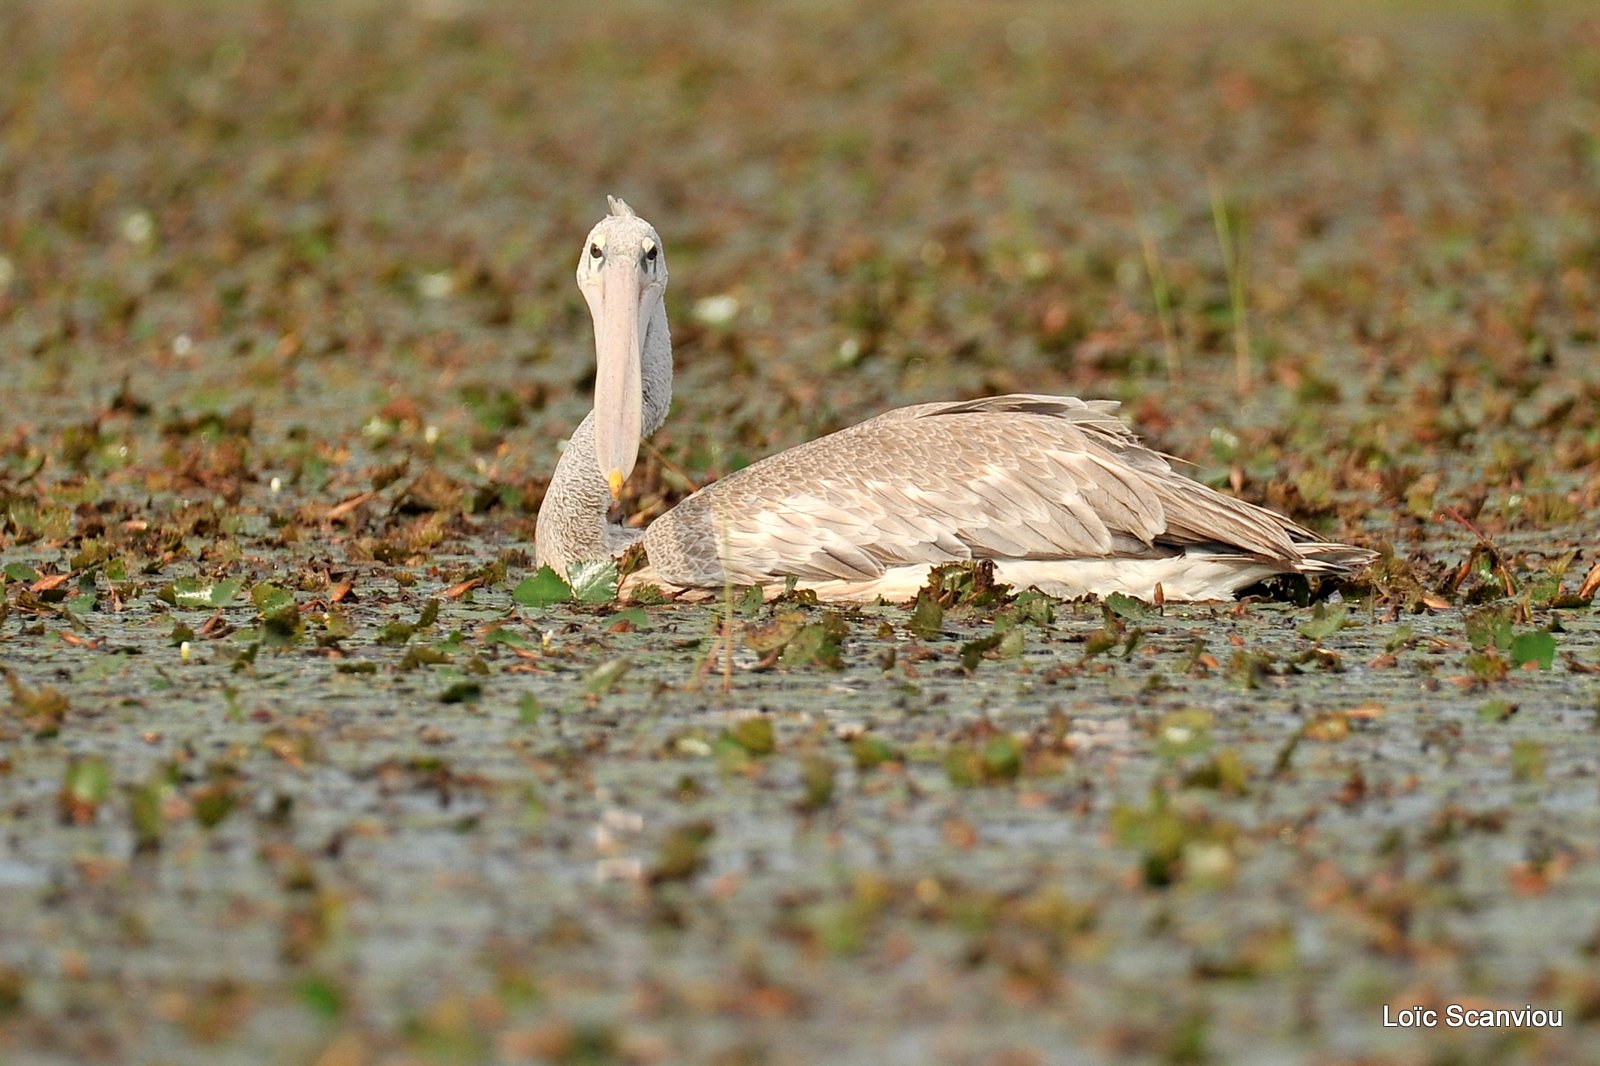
300 762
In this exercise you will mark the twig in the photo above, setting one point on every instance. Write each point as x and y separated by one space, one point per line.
672 468
1234 263
1162 296
727 612
339 510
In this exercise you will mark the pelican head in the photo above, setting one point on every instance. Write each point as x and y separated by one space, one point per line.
622 274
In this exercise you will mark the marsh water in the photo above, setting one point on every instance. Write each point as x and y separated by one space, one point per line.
300 761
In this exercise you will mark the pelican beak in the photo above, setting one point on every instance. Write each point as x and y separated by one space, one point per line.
620 304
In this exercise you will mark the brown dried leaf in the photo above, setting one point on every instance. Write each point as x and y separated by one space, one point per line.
344 507
461 588
48 582
1591 583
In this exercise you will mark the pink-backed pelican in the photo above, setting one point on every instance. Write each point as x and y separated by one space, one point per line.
1056 491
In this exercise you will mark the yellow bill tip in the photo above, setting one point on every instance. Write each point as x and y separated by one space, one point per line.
614 479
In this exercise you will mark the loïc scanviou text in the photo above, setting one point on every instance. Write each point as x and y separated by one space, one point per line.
1455 1016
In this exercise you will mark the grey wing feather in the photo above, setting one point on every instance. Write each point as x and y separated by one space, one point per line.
1008 477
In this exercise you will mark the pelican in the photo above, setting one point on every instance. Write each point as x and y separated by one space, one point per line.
1057 492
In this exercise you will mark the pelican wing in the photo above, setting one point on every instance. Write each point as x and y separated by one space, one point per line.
1009 477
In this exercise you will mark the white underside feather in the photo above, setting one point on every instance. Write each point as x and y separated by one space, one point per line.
1188 577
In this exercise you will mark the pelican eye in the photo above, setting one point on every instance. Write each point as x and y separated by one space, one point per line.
650 254
596 252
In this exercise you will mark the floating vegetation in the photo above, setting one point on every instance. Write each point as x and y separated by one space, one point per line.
287 359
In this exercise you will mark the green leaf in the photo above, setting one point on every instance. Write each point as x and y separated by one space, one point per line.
999 759
44 707
1489 627
753 734
1324 623
335 628
396 633
927 617
542 589
21 572
1538 647
282 628
429 615
1105 638
528 708
202 592
1496 711
1183 733
683 852
871 751
818 643
146 814
972 651
322 996
1226 771
605 676
1402 638
963 766
817 774
1527 761
246 660
1032 607
593 582
462 692
1486 666
510 638
270 598
212 803
102 667
87 782
223 592
1127 607
634 616
423 655
1002 758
